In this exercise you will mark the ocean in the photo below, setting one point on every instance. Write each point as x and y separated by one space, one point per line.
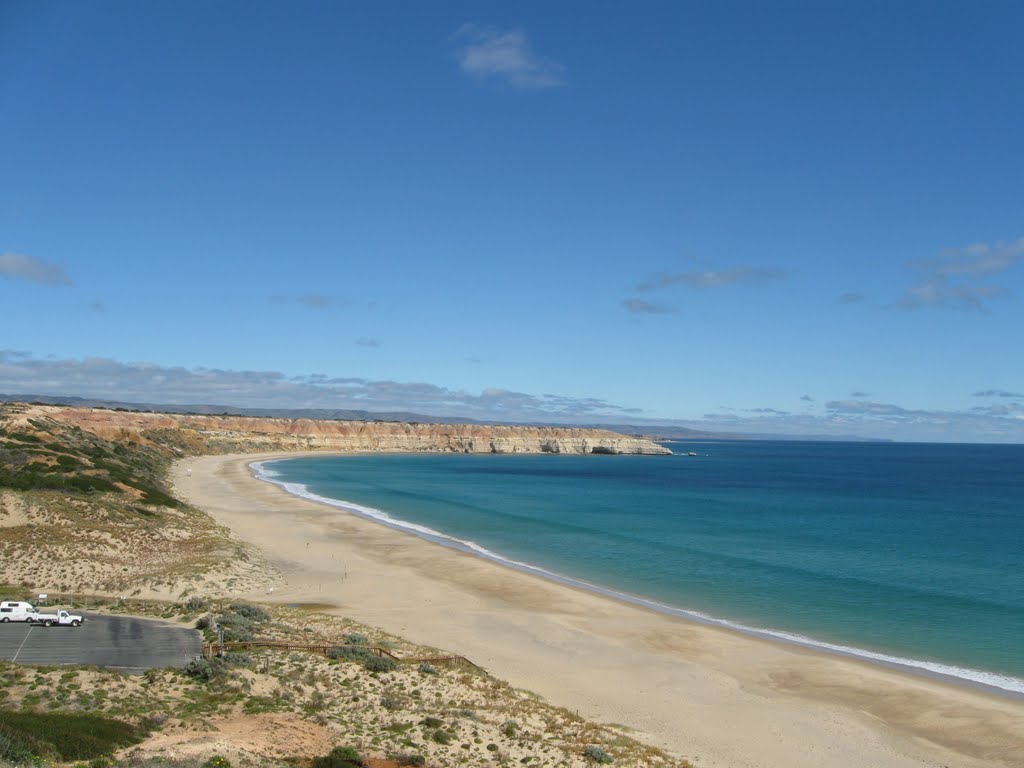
909 554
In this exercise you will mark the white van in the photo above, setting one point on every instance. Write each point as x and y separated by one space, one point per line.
16 610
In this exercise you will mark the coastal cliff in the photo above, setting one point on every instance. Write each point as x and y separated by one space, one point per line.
188 434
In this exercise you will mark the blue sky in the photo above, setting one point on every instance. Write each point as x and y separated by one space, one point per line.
802 218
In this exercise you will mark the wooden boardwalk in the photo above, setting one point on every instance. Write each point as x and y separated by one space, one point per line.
218 649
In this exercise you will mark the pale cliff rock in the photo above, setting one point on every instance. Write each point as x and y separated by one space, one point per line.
191 434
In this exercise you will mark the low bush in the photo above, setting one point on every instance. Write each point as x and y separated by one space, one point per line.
195 604
251 612
441 737
29 736
428 669
407 758
355 638
235 628
339 757
205 669
595 754
350 653
380 664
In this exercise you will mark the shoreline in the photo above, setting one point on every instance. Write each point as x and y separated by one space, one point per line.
713 695
969 677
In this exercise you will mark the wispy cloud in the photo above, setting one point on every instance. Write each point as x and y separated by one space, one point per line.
19 266
641 307
311 300
956 278
316 300
859 394
484 52
997 393
366 341
98 307
22 373
807 399
712 278
997 423
851 297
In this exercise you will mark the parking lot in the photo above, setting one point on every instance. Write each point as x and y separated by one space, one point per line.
125 643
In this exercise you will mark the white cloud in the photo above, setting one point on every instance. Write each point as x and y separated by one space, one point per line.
485 52
22 373
998 423
955 278
18 266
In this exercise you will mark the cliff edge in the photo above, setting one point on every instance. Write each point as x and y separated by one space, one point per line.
187 434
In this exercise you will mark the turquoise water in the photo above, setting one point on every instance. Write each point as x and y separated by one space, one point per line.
901 552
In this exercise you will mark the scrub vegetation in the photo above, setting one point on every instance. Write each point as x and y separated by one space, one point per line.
450 716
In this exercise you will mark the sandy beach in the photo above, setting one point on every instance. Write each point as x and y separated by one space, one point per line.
716 697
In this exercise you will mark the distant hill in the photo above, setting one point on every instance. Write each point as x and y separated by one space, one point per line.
329 414
651 431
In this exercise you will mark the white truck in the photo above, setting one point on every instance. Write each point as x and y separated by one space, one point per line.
61 618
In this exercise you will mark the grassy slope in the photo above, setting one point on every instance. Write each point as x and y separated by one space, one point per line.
79 513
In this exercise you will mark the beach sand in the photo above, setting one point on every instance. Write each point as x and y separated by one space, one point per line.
714 696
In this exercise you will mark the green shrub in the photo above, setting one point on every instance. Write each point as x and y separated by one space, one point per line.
510 728
441 737
380 664
597 755
236 628
432 722
195 604
350 653
251 612
339 757
355 638
407 758
217 761
62 736
428 669
205 669
198 668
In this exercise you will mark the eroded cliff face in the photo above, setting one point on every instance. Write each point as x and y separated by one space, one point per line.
191 435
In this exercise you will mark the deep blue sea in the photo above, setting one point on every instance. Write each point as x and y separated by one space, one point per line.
908 553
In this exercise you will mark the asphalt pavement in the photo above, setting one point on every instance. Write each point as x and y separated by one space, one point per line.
125 643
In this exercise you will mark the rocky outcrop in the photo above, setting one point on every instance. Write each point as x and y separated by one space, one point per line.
191 435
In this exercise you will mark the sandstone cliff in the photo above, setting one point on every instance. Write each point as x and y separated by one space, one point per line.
190 434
